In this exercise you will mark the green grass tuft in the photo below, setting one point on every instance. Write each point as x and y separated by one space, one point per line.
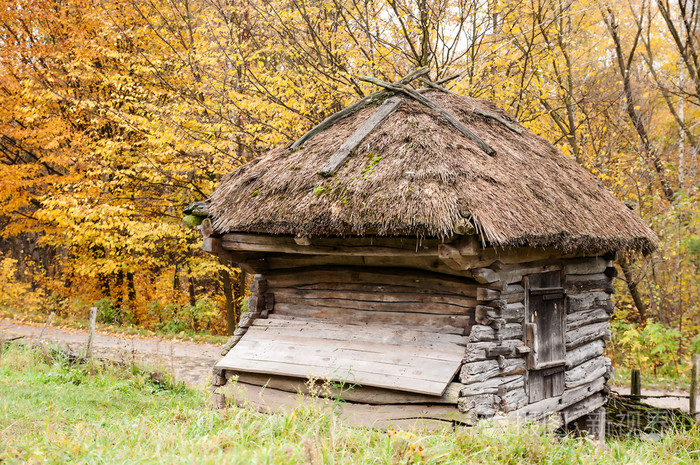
55 411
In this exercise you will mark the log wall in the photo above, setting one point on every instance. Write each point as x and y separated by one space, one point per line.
495 371
433 287
389 297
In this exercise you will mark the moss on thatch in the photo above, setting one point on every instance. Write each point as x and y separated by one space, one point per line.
416 175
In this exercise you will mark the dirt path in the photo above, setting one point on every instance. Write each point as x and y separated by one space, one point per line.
190 362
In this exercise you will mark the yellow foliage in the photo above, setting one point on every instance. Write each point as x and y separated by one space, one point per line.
14 293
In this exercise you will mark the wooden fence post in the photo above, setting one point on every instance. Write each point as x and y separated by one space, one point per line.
91 333
694 387
46 326
636 385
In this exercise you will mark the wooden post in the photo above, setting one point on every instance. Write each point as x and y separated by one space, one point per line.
46 326
91 333
694 387
636 385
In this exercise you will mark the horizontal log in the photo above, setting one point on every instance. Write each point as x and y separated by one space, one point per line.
271 400
361 394
436 282
586 334
514 298
499 351
476 372
572 396
512 289
259 285
586 301
479 351
572 279
587 372
214 246
583 407
514 313
585 283
402 302
537 410
514 273
379 289
288 262
514 399
491 386
339 246
352 332
485 275
294 248
484 293
452 257
511 331
453 324
483 405
584 353
484 315
578 319
583 266
481 332
523 255
497 304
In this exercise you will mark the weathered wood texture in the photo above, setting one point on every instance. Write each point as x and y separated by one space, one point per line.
345 392
400 334
375 296
572 316
400 415
320 351
380 115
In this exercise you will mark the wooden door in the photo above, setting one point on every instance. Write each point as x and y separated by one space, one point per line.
545 333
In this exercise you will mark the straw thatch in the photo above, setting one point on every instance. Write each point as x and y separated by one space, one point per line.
416 175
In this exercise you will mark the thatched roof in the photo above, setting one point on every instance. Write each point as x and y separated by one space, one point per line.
416 175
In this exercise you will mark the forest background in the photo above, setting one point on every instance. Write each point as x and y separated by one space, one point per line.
114 114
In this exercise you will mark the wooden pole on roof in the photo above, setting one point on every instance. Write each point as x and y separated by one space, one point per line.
378 117
335 117
475 109
486 148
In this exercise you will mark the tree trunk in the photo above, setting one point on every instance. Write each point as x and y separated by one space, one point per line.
624 64
131 289
193 297
231 316
118 286
632 286
240 292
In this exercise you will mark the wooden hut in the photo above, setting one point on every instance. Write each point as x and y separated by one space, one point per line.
430 256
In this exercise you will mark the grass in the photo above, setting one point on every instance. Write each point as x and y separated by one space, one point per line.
54 412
